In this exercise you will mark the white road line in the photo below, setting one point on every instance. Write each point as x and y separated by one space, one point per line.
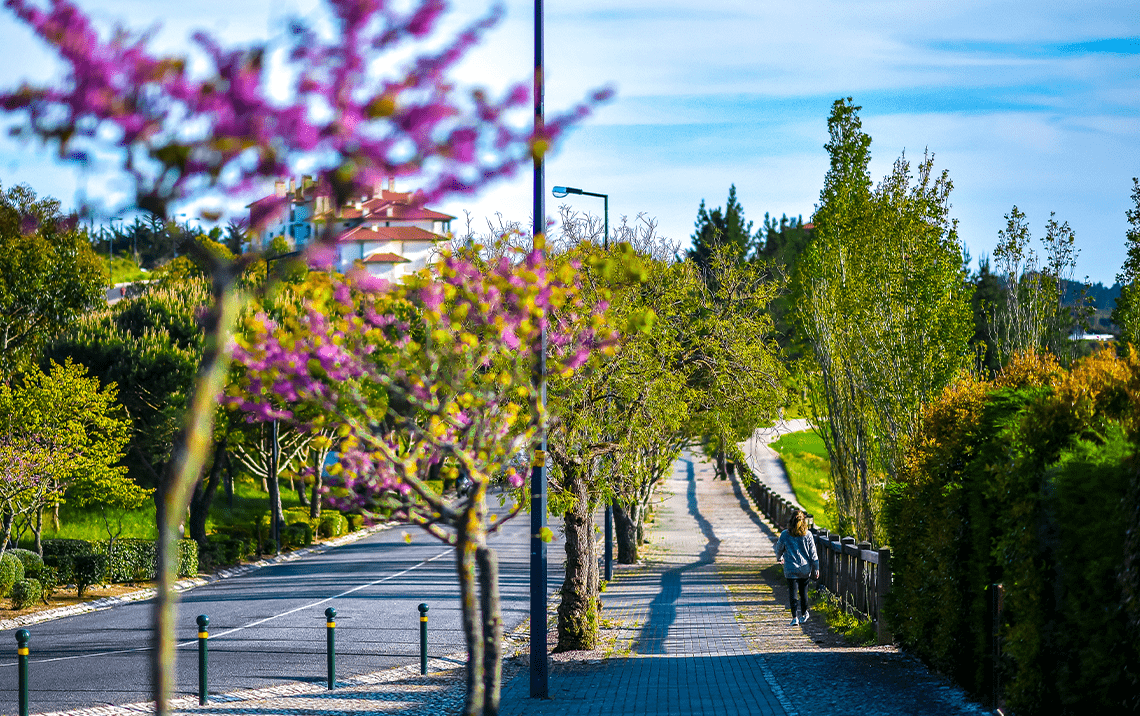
251 624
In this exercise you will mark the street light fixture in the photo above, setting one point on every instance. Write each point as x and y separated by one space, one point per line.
560 192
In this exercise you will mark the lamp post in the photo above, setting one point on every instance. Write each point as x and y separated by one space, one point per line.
560 192
538 567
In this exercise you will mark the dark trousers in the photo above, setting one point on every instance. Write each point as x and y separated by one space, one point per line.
797 593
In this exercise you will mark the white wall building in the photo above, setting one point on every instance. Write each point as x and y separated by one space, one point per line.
385 230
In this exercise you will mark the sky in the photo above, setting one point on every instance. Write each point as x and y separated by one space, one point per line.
1034 104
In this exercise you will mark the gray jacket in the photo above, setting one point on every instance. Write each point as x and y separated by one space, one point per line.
800 558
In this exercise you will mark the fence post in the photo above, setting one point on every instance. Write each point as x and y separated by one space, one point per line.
22 637
882 590
203 657
862 603
848 570
423 638
330 645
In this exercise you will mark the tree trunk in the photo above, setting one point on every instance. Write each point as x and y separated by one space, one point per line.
626 533
301 496
577 612
492 628
466 548
203 496
229 481
39 530
315 502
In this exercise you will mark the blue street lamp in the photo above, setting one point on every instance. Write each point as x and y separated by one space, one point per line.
561 191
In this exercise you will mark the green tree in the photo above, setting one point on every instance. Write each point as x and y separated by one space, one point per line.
721 228
74 425
48 275
884 305
114 495
1126 314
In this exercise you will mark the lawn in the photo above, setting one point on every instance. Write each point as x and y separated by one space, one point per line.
809 469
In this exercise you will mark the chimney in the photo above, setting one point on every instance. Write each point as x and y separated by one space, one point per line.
279 189
392 184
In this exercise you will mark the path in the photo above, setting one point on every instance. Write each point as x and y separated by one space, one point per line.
764 461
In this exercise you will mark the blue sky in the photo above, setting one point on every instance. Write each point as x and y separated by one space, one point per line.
1029 103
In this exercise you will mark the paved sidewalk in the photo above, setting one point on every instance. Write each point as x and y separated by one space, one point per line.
763 460
689 654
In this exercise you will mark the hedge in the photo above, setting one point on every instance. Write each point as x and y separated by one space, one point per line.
26 592
1024 481
333 524
11 571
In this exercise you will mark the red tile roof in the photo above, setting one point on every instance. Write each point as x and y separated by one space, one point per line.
389 233
379 258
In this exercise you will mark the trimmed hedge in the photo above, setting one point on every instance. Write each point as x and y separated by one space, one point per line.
11 571
89 569
297 534
26 592
64 566
66 547
333 524
1024 481
30 559
48 578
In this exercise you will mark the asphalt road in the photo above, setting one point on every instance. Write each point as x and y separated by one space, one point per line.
268 626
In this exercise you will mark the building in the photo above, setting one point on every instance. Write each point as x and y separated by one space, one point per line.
384 230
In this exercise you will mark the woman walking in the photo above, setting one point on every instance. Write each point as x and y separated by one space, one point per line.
796 549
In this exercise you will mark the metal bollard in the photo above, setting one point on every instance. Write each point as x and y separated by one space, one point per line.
330 632
423 638
22 638
203 658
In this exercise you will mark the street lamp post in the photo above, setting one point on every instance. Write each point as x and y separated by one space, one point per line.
539 688
560 192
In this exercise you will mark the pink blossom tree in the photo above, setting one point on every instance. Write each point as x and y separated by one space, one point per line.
187 127
429 377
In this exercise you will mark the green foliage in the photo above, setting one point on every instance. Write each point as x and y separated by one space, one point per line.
150 348
1126 314
355 522
722 229
66 547
128 560
11 571
90 569
297 534
28 558
48 578
1023 481
333 524
48 275
809 470
857 631
883 304
26 592
64 567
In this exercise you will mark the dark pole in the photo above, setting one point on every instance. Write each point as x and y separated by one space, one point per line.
203 658
330 645
423 638
538 672
22 638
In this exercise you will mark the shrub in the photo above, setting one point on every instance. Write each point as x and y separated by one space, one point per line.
1022 481
355 522
333 524
297 534
268 546
64 566
136 560
66 547
29 558
48 578
11 571
26 592
296 514
187 558
89 569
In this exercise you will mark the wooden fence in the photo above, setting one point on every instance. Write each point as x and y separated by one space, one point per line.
858 576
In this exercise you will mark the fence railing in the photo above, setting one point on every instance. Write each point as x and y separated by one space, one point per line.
858 576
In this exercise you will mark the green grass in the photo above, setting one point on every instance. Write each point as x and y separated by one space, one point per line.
124 269
856 631
809 471
87 524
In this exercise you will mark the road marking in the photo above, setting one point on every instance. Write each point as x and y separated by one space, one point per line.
251 624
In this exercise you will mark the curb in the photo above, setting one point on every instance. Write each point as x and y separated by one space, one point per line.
189 583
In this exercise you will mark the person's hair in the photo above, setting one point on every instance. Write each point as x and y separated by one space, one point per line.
798 525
